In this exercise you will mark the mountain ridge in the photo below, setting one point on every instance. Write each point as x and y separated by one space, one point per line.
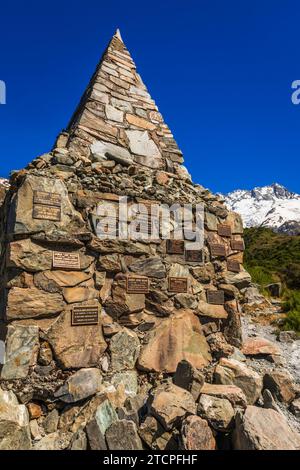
272 206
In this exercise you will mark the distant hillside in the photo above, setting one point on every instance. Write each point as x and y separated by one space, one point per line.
276 255
271 257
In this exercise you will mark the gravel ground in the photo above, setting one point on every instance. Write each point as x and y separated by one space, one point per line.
290 359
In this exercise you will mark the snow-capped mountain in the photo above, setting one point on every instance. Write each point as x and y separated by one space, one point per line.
271 206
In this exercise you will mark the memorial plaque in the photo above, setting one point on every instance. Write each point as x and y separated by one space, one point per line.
47 199
224 230
45 212
215 297
137 285
175 247
238 245
85 315
233 265
194 256
178 284
217 249
65 260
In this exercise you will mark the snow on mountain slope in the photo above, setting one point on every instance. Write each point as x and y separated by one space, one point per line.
269 206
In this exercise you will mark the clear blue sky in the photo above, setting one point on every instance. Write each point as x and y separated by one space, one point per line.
220 72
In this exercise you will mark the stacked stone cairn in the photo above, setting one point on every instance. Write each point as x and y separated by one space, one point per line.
119 344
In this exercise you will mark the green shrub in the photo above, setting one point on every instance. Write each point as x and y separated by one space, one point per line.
261 276
292 308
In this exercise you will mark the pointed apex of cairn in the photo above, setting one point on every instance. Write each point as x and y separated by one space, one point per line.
118 120
118 35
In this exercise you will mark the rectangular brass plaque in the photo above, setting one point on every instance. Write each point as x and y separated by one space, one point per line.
48 199
233 265
178 284
215 297
44 212
217 249
66 260
194 256
238 245
224 230
137 285
85 316
175 247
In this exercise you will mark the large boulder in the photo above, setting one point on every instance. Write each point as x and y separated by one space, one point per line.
156 437
189 378
96 428
124 349
232 372
83 384
196 434
231 393
22 343
75 347
281 384
36 303
259 347
217 411
264 429
122 435
172 340
20 220
170 404
54 441
14 423
35 256
150 267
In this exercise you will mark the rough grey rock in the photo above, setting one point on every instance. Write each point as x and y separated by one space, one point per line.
231 372
22 344
83 384
54 441
124 349
79 441
281 384
122 435
217 411
189 378
169 404
50 423
14 420
264 429
151 267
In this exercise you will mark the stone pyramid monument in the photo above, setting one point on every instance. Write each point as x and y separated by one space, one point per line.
86 317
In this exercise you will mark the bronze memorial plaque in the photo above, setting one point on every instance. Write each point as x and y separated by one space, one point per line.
224 230
233 265
194 256
217 249
215 297
137 285
85 315
65 260
44 212
175 247
238 245
48 199
178 284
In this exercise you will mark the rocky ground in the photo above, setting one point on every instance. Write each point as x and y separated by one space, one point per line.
248 399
